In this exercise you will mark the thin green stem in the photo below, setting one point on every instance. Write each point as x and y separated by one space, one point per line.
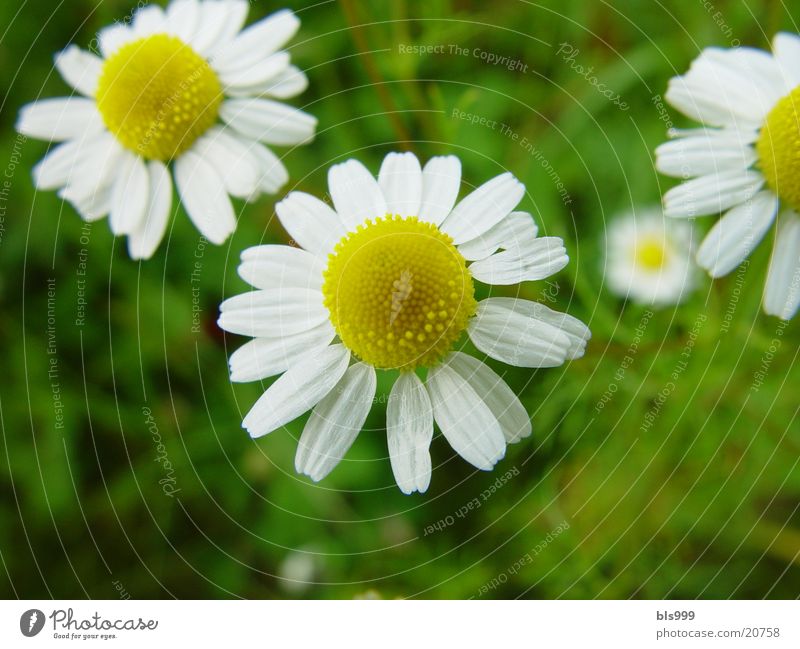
373 72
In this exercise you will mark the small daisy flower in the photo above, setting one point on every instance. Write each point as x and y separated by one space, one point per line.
384 280
649 258
184 87
745 162
298 570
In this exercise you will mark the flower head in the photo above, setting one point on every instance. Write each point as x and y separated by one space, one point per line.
385 280
648 258
745 162
185 87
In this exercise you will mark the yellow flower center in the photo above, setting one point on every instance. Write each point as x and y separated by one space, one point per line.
157 96
398 292
778 148
650 253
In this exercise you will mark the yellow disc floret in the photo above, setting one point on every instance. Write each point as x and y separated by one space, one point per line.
651 253
778 148
157 96
399 292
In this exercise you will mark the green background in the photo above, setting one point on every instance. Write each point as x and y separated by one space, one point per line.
702 503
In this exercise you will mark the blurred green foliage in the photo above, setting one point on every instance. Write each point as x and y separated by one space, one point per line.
702 503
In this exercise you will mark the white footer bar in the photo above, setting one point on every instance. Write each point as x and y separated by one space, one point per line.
402 624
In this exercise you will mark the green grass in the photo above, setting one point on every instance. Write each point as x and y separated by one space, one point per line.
701 503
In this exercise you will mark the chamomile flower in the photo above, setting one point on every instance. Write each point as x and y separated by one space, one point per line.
744 162
648 258
384 280
186 88
298 570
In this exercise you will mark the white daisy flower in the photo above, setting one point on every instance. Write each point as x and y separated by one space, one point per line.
298 570
184 86
745 162
649 258
384 280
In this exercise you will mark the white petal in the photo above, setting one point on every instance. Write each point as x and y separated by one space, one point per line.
289 83
786 47
782 291
257 41
92 206
113 37
96 169
727 88
268 121
54 170
335 422
743 135
441 180
760 67
505 329
575 330
210 25
501 400
276 266
99 165
183 18
712 194
298 390
736 234
130 196
409 430
537 259
256 74
232 159
59 119
400 180
203 194
143 241
272 313
264 357
66 161
149 20
233 23
709 153
514 232
310 222
80 69
707 108
577 333
355 193
484 208
272 175
464 419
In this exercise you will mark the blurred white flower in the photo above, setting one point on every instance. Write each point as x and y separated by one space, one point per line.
184 86
371 594
390 275
298 571
744 162
648 258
